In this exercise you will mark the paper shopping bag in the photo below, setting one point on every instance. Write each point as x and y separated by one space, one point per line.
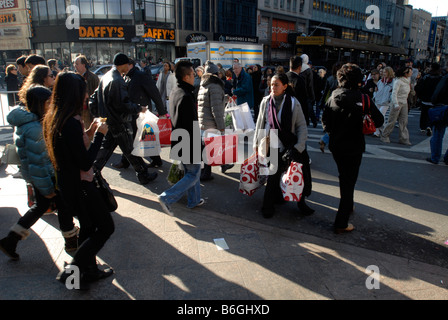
221 150
252 175
165 128
146 143
292 183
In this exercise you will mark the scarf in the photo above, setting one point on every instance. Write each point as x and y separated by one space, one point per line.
284 127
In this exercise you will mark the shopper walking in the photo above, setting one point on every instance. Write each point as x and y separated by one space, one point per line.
399 110
36 169
383 96
343 120
282 111
111 101
73 156
184 116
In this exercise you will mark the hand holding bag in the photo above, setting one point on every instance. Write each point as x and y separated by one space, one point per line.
292 183
146 142
253 175
176 172
368 126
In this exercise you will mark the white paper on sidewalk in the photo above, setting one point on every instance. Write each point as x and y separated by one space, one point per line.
221 244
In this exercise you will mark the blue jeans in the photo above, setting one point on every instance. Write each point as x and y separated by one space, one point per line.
189 184
438 132
326 139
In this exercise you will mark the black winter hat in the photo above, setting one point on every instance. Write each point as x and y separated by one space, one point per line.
120 59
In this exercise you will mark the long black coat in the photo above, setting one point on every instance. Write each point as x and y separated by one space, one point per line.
343 120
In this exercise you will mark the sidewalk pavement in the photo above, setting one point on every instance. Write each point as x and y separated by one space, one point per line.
158 257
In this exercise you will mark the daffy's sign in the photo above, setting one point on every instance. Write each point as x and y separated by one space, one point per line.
101 33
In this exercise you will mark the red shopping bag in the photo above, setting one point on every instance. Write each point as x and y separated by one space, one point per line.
250 178
165 128
292 183
221 150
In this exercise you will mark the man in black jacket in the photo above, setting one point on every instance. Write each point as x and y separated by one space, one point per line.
297 83
110 100
142 90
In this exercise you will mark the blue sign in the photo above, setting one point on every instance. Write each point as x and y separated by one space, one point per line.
432 34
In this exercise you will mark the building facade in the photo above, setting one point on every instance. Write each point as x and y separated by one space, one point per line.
105 28
15 30
276 21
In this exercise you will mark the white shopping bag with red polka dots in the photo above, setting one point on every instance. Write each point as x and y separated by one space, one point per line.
292 183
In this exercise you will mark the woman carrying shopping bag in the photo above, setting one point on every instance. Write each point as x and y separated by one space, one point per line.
281 111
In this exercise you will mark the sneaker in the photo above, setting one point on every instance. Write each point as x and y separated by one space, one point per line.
165 207
428 131
201 202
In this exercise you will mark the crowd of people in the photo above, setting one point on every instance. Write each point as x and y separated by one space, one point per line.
68 124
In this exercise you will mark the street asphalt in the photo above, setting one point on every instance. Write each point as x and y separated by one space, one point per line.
225 250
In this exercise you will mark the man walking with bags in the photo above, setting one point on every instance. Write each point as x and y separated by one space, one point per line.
184 118
111 101
142 90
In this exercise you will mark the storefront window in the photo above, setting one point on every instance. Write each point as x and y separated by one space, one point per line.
52 11
126 10
103 53
43 14
113 9
89 50
99 9
75 50
150 10
86 9
61 9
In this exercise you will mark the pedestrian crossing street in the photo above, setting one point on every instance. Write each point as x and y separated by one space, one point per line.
418 152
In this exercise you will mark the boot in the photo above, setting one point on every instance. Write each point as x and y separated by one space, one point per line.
9 244
206 173
303 207
71 239
146 177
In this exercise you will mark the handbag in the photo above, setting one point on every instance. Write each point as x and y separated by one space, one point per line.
368 126
105 191
10 155
292 183
438 115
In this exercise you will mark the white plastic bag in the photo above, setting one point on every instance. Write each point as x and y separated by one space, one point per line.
147 142
241 116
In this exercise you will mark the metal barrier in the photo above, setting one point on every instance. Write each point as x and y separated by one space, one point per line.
6 105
